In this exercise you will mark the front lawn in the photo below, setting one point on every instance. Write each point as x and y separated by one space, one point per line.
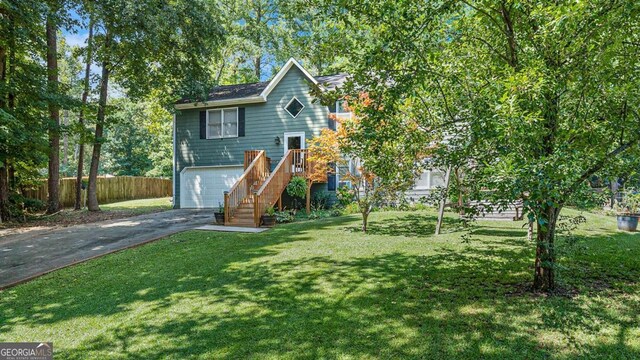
320 289
139 206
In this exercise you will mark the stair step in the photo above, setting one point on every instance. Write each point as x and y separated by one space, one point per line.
241 223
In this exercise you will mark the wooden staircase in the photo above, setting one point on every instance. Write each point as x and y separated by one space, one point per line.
258 188
244 213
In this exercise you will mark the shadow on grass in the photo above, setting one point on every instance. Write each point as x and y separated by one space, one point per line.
492 231
408 224
238 296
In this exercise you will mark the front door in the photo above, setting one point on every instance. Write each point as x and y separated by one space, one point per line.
293 140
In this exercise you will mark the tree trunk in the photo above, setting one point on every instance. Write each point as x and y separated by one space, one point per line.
3 75
53 203
544 273
443 201
65 140
308 205
97 143
257 62
85 95
12 175
4 192
365 220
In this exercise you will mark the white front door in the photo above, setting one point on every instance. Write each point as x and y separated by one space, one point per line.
293 140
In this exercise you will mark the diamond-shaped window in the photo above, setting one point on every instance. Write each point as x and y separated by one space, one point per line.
294 107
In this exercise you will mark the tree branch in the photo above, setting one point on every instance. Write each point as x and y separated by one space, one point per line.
601 163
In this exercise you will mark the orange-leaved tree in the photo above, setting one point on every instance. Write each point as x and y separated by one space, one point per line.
369 158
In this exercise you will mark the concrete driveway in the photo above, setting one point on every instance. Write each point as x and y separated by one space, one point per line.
36 252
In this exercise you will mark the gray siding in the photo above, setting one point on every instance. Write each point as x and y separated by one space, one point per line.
263 122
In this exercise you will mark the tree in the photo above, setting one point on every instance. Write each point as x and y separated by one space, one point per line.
53 202
23 94
146 49
88 58
381 165
531 99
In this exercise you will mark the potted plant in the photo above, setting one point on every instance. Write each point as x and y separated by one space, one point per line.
219 214
269 218
628 211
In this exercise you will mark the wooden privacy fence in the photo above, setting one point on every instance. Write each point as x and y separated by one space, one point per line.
109 189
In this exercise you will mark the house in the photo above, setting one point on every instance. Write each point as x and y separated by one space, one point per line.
241 146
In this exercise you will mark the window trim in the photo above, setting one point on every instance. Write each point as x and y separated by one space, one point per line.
349 166
339 115
222 123
289 103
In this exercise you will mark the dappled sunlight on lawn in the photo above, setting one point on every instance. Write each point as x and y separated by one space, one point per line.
320 289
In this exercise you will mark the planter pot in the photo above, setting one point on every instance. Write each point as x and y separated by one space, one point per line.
219 218
268 220
628 222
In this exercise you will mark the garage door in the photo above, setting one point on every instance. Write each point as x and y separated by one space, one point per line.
204 187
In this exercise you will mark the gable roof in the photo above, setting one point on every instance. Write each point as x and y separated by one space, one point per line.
259 91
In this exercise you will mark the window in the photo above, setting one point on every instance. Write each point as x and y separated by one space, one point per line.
344 172
339 110
294 107
222 123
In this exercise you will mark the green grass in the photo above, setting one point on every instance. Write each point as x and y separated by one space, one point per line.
140 205
320 289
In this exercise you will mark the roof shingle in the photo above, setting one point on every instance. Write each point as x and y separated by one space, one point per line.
240 91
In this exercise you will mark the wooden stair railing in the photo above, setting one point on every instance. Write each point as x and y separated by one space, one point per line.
293 163
257 170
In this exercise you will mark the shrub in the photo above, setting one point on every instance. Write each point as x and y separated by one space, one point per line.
345 195
29 204
285 216
421 206
352 208
297 187
34 205
320 200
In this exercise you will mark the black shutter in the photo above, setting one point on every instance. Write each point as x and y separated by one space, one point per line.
331 178
203 124
240 121
332 123
331 182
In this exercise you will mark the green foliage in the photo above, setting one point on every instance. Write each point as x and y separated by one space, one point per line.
345 195
138 140
629 203
320 200
270 211
285 216
351 208
297 187
129 154
522 112
30 205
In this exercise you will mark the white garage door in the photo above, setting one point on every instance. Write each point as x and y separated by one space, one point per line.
204 187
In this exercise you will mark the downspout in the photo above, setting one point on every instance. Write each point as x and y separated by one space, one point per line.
175 164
